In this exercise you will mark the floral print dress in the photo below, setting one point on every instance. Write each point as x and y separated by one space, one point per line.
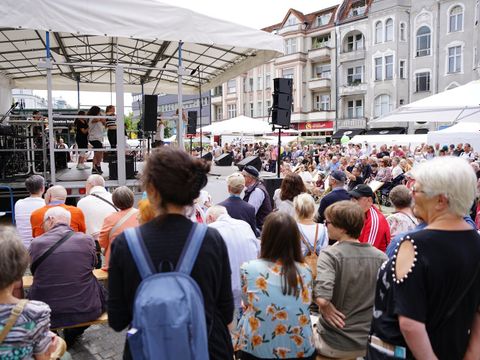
274 325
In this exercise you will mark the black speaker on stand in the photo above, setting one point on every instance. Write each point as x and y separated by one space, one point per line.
282 102
192 123
224 160
252 161
150 112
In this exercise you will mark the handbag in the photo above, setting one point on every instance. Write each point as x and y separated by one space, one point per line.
311 257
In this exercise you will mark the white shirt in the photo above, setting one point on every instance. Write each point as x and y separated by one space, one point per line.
396 171
95 131
160 133
242 246
96 210
256 199
23 210
285 206
308 232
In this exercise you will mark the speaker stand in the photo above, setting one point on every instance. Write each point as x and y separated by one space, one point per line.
278 154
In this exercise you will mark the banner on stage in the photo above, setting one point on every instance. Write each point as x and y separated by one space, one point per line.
238 139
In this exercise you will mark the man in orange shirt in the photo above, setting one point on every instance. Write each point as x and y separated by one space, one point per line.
56 196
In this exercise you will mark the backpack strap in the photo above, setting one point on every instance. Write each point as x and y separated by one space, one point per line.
191 248
139 252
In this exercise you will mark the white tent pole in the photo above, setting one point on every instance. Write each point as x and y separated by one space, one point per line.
51 134
122 179
180 141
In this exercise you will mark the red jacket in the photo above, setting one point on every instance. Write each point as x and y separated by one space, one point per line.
375 231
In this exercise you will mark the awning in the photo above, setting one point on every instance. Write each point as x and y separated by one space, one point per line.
348 132
386 131
140 35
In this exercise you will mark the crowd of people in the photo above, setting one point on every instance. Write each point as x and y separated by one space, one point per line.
279 277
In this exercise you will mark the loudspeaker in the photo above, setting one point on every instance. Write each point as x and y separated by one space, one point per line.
250 160
207 156
192 123
272 184
282 85
282 101
281 117
129 168
150 112
224 160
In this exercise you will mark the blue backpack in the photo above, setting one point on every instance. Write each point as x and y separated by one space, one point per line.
168 312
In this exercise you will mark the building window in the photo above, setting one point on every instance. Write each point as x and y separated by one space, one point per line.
323 19
268 81
454 59
259 83
423 41
422 81
358 8
268 104
378 32
389 67
354 42
251 111
322 102
383 105
232 86
401 69
319 42
355 109
259 108
292 21
250 84
389 30
403 32
378 69
290 46
354 75
219 113
287 73
323 71
232 110
456 19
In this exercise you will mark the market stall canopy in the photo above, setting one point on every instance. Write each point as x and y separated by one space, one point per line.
238 125
463 132
347 132
137 34
386 131
390 139
459 104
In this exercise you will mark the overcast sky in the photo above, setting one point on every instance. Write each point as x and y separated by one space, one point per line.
253 13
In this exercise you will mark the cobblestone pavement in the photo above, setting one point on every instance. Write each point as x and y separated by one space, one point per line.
98 342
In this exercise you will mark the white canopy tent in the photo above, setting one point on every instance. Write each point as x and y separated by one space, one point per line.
410 140
123 45
459 104
238 125
463 132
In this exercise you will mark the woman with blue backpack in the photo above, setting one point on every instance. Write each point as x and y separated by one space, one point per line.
169 279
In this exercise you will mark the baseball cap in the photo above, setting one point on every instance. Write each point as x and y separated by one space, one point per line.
249 169
361 190
338 175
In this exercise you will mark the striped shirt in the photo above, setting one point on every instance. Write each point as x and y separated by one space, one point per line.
110 122
30 335
376 230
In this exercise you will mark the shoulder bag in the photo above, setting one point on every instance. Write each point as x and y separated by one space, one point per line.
311 257
47 253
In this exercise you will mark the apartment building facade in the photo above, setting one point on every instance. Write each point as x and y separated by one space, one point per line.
359 61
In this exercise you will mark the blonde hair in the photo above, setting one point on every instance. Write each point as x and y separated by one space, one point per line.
304 206
236 183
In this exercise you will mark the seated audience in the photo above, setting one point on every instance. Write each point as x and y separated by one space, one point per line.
114 224
56 196
345 284
24 208
29 337
64 279
402 220
292 185
276 290
236 207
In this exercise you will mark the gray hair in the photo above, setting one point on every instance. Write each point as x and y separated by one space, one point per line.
216 211
400 197
14 257
35 184
236 183
123 198
450 176
96 180
304 206
59 214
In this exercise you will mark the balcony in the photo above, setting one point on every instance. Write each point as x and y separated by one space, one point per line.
298 56
354 88
290 28
320 115
216 100
352 55
352 123
319 83
321 53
